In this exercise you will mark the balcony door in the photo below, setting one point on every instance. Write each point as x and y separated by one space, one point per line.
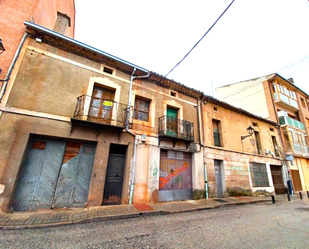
171 122
102 103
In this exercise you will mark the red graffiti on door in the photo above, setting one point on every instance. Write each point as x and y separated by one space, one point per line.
165 180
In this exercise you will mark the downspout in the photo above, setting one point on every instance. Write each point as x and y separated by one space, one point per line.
8 75
203 144
130 132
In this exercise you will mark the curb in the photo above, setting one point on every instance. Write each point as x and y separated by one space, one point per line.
129 215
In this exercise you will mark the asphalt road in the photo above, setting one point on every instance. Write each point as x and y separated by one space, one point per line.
280 225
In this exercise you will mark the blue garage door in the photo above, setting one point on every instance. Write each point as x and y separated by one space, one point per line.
55 173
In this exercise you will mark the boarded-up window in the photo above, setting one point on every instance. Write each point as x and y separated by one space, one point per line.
259 175
71 150
38 145
141 109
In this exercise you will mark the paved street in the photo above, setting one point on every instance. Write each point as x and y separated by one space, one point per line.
264 225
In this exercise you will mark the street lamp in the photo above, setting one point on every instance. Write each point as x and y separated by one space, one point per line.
2 49
250 131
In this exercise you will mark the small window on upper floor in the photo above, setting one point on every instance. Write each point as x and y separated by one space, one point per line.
141 109
108 70
215 109
173 94
271 129
302 101
62 23
255 124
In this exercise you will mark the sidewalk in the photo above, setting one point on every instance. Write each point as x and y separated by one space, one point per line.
49 218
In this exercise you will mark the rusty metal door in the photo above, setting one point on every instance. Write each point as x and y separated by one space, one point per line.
114 179
276 174
175 182
38 179
74 179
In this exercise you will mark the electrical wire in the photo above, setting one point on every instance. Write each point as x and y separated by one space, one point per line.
201 38
293 64
298 69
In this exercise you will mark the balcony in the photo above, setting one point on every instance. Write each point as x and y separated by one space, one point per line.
98 111
292 122
286 102
176 129
301 149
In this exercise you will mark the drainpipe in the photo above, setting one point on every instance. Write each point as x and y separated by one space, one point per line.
127 130
203 144
8 75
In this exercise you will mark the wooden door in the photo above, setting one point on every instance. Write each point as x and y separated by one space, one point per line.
171 122
102 102
114 179
276 174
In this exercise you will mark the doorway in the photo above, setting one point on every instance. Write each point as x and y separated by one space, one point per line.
171 122
102 102
114 175
276 174
218 164
54 174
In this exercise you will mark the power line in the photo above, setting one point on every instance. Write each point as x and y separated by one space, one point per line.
201 38
298 69
293 64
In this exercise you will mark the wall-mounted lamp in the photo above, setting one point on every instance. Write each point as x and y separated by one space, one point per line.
250 131
2 49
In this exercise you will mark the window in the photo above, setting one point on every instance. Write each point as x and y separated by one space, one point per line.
107 70
215 109
258 142
174 94
141 109
259 175
302 101
255 124
216 132
271 129
276 149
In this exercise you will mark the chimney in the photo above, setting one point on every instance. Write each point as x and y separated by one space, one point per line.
291 80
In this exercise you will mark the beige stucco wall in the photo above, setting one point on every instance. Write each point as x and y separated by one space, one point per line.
249 95
15 131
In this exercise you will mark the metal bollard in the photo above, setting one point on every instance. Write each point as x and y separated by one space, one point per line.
289 198
308 194
300 195
273 199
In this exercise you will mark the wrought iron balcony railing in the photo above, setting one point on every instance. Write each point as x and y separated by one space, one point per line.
102 111
176 128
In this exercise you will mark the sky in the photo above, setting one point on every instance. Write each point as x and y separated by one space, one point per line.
253 38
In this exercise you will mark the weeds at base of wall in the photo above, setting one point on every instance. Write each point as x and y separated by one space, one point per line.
199 194
260 193
238 192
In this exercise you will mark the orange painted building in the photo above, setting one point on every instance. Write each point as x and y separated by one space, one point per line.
280 100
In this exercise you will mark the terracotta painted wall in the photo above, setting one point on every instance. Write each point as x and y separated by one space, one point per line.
13 15
233 126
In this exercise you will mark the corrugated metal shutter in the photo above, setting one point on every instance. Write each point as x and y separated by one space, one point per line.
175 181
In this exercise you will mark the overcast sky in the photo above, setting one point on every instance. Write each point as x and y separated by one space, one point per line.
252 39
